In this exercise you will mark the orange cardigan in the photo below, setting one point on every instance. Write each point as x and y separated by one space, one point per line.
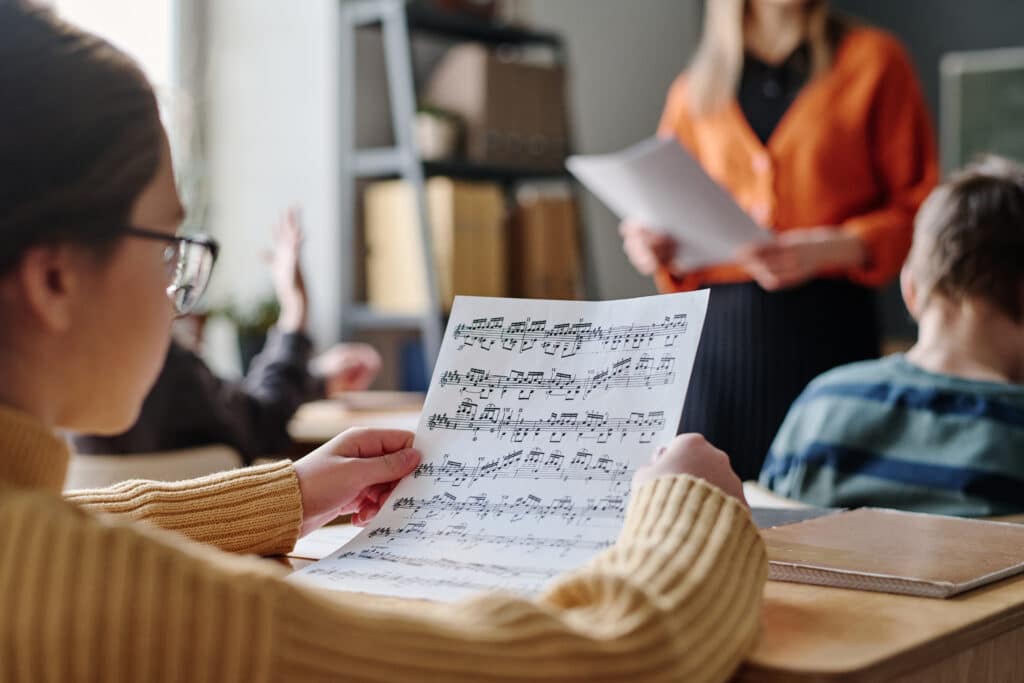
855 150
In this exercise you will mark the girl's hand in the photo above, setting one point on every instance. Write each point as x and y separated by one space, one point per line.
796 256
285 265
692 454
353 473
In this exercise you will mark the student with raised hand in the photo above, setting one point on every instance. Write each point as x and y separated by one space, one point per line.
817 127
93 587
190 406
941 428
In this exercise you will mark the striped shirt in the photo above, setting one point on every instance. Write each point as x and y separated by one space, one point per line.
886 433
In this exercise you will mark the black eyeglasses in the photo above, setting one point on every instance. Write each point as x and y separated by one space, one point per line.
189 260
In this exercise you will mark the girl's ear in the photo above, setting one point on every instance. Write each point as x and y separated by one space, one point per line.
46 280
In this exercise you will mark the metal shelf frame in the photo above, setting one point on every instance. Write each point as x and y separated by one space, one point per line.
398 20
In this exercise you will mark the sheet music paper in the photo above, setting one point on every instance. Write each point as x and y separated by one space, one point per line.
659 184
536 418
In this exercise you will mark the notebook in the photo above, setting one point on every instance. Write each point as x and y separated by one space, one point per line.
895 552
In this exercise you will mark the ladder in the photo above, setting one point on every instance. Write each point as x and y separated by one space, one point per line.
401 160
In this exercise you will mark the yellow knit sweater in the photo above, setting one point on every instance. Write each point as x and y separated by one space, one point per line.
88 593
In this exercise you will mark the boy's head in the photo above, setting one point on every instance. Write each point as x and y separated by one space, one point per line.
969 241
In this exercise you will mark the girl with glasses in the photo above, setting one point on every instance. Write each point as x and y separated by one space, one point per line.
137 582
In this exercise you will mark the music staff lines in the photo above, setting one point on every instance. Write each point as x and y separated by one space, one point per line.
522 507
533 464
467 538
647 373
376 555
349 576
567 339
509 422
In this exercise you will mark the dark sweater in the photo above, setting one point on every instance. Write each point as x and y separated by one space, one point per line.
190 406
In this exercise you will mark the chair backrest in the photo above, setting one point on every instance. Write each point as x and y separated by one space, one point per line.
97 471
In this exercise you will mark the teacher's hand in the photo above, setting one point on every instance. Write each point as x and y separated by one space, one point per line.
353 473
646 249
796 256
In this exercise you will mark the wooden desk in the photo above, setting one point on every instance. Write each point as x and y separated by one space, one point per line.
317 422
813 633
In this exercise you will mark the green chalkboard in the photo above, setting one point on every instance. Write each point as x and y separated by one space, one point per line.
982 105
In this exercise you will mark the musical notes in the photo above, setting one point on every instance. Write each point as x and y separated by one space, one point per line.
647 374
537 416
528 464
515 510
510 423
567 339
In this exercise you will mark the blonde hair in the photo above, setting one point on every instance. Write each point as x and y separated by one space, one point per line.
714 73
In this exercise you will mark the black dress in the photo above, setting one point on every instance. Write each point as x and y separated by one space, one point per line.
759 349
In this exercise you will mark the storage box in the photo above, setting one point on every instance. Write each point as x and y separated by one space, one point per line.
468 225
545 248
514 112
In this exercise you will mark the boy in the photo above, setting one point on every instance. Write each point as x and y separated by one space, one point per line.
941 428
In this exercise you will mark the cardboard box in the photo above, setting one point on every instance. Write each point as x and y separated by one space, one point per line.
468 225
514 112
545 247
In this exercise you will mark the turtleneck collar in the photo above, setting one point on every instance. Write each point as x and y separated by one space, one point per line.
31 455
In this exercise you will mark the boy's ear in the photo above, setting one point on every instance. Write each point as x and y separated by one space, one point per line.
909 290
45 280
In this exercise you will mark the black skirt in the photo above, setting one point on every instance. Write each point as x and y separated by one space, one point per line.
760 349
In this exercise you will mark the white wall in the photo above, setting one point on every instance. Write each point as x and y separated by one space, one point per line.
271 141
624 54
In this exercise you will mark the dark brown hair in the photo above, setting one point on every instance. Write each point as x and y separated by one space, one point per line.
80 134
969 237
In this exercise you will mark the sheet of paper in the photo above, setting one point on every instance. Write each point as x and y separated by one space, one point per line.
536 418
659 184
324 541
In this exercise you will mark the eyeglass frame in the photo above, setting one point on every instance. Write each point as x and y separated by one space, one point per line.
177 240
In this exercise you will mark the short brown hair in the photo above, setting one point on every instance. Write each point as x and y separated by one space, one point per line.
969 237
80 134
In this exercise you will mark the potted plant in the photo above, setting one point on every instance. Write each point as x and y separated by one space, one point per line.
252 322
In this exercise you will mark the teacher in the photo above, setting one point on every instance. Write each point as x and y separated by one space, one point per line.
817 127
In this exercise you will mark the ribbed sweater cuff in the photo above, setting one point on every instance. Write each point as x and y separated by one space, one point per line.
249 510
